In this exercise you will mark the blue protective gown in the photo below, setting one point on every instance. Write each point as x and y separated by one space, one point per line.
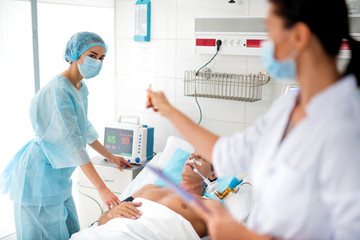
38 177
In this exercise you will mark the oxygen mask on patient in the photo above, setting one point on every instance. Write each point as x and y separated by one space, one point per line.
211 187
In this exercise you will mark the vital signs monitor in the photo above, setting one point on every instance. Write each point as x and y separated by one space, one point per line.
134 142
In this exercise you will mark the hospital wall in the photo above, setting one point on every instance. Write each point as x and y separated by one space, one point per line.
171 52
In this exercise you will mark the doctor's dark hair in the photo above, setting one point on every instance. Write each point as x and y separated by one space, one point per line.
328 20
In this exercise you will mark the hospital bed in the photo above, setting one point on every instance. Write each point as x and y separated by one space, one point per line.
238 204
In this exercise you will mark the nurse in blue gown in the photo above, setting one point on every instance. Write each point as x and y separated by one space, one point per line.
38 177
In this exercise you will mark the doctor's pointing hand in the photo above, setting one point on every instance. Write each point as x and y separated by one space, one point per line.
303 155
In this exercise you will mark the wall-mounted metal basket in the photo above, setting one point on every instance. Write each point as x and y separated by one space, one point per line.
246 88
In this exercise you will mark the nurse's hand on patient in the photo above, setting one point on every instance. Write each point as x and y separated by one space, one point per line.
109 198
119 161
158 102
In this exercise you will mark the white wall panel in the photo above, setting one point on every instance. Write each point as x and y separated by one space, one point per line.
211 108
257 109
159 55
89 3
187 59
258 7
124 19
189 9
172 50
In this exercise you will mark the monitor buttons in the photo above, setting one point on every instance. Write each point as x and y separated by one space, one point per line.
137 160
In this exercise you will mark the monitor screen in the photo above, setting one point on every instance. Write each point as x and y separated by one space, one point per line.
119 141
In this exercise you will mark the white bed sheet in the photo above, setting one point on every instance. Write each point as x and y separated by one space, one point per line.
156 223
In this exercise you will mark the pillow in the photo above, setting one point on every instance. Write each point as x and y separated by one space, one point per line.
160 160
143 178
172 144
174 167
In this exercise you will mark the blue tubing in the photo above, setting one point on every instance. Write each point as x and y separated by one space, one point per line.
234 183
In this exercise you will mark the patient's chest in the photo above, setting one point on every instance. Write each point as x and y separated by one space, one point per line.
168 198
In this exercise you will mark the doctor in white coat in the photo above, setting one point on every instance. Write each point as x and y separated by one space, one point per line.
303 155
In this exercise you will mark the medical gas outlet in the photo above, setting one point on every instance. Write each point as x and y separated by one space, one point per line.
240 36
243 35
232 45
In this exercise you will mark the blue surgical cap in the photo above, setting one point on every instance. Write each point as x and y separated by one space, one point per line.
81 42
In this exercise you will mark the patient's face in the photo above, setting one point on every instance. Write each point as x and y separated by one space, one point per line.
204 168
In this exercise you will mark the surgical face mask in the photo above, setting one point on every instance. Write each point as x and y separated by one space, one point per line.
90 67
277 69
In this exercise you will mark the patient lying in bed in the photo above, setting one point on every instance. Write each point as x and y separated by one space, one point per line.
152 196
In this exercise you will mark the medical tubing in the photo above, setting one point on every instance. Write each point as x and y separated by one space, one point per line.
224 193
218 44
197 103
197 72
235 182
196 99
221 195
209 184
197 171
231 188
77 186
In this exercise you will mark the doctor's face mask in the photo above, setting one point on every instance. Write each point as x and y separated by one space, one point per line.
90 67
285 69
92 62
278 53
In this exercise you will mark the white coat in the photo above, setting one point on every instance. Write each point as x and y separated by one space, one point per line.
308 185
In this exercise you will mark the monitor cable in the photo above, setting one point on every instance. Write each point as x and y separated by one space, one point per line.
88 196
218 44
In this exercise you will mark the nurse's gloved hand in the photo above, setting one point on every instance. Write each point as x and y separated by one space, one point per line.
119 161
109 198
